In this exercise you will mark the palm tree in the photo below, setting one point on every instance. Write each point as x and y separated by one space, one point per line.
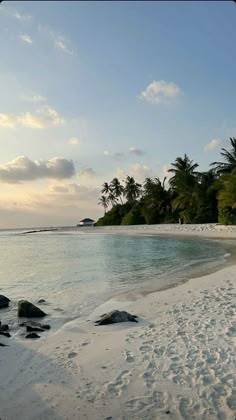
230 159
132 189
185 187
182 168
104 201
116 188
106 189
156 200
112 199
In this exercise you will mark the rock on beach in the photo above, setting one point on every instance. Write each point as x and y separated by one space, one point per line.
116 316
4 301
28 310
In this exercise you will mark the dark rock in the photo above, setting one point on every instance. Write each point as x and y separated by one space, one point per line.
3 345
45 326
116 316
41 301
32 335
6 334
35 324
30 329
167 412
28 310
4 302
4 327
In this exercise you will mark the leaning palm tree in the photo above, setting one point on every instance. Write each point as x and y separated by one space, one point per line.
230 159
104 202
116 188
132 189
182 168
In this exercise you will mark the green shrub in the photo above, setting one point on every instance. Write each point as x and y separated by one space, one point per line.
133 217
114 216
227 216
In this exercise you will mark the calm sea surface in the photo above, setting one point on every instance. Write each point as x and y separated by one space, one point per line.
76 271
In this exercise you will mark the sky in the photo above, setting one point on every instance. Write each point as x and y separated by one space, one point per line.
94 90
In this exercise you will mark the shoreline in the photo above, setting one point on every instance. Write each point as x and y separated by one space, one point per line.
208 230
204 230
178 362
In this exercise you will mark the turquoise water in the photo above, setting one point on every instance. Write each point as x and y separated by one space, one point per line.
76 271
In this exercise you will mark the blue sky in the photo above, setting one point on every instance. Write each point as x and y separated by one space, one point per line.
92 90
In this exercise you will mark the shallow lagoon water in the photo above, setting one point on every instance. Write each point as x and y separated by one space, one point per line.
77 271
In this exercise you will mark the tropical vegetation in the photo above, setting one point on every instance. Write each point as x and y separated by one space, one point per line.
189 196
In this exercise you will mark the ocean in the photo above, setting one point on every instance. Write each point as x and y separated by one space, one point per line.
77 270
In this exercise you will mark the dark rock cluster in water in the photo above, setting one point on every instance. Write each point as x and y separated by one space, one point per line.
25 310
116 316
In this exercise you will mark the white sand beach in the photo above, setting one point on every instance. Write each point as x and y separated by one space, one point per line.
177 362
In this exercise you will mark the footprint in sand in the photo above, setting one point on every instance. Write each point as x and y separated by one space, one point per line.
119 384
129 357
85 343
72 354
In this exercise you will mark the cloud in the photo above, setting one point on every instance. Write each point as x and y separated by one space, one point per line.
87 173
137 170
136 151
34 98
60 204
73 141
23 17
213 144
59 189
60 42
24 169
75 192
26 38
44 117
160 91
164 172
116 155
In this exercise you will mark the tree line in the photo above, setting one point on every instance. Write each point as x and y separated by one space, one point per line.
191 196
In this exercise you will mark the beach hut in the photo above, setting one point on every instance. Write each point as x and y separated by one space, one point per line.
86 222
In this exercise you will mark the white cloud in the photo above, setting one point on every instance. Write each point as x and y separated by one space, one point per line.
22 16
60 42
73 141
44 117
136 151
87 173
160 91
24 169
26 38
137 170
116 155
213 144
